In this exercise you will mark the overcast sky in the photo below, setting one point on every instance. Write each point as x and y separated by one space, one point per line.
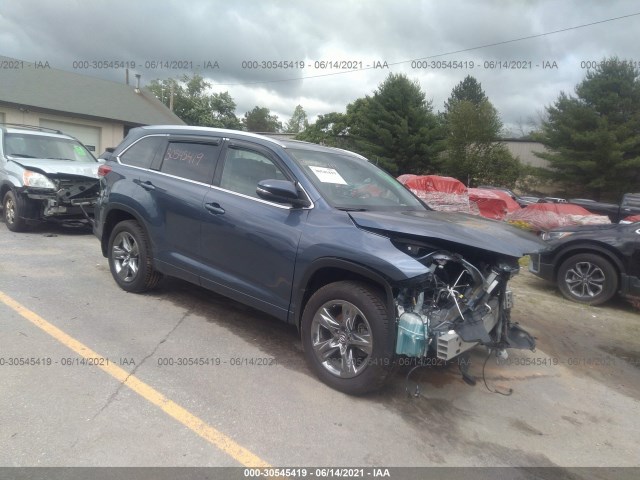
232 32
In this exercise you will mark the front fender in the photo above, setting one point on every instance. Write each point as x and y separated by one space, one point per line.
337 264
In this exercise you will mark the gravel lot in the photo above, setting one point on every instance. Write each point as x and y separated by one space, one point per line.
574 402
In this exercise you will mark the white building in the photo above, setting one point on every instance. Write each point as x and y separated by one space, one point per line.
97 112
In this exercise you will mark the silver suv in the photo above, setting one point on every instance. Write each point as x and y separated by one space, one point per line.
44 175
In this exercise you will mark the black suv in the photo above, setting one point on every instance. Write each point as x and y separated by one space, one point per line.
590 263
315 236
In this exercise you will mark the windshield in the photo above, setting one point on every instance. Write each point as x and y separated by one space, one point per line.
350 183
25 145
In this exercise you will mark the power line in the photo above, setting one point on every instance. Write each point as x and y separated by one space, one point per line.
504 42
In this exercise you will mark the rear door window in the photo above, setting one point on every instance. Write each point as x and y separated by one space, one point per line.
191 160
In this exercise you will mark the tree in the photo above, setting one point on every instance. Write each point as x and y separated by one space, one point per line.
476 162
469 90
474 153
395 127
260 120
190 101
298 121
330 129
594 137
223 111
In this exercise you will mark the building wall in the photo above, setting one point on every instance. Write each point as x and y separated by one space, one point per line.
525 151
110 133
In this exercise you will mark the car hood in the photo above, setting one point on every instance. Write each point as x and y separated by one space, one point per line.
59 168
459 228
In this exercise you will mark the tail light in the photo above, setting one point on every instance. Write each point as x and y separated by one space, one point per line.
103 170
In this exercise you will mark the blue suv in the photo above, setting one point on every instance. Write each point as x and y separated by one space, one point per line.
315 236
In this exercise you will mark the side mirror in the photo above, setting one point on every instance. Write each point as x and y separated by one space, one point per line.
281 191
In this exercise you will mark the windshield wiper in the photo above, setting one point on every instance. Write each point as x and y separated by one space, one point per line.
61 158
21 155
349 209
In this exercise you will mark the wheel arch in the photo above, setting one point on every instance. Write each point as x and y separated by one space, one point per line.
329 270
596 249
4 188
30 209
114 216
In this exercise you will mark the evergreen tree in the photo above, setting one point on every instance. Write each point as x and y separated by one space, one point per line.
395 127
474 153
594 137
469 90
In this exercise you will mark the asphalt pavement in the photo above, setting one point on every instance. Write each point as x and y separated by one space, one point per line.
93 376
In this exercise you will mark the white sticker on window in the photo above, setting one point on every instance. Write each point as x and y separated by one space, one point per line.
328 175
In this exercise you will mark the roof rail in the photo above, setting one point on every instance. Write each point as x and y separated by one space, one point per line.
32 127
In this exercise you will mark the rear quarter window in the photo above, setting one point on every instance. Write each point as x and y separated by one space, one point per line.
142 153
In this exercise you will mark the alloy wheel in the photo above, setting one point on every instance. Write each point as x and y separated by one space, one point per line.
585 280
126 256
341 338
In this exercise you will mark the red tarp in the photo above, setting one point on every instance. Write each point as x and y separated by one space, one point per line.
545 216
434 183
632 219
489 203
512 205
445 194
403 178
559 208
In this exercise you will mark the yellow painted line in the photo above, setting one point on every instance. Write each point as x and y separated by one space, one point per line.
186 418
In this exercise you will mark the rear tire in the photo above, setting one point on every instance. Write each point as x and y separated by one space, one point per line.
587 278
130 258
13 212
347 337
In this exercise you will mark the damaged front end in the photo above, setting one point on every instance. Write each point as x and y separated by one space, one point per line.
66 197
457 305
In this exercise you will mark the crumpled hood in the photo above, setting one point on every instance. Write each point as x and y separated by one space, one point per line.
460 228
58 168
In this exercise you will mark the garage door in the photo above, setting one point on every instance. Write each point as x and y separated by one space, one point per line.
89 136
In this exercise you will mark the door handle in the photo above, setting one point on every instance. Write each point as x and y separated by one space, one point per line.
147 185
214 208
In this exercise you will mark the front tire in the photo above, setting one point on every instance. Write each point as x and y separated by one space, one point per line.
130 258
12 210
587 278
347 337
